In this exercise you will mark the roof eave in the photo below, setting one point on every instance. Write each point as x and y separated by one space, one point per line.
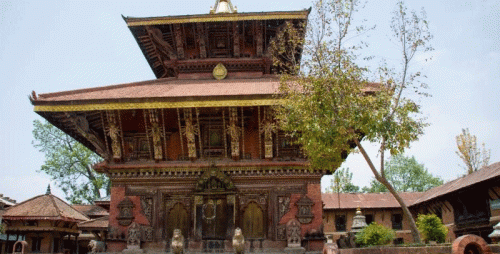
221 17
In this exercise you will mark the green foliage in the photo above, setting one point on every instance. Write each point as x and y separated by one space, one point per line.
69 163
342 182
375 234
473 157
331 104
406 175
3 228
431 227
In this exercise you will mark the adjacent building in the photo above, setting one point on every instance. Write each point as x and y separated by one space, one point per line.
467 205
46 223
340 208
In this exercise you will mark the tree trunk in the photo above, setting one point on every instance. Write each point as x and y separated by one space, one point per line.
413 226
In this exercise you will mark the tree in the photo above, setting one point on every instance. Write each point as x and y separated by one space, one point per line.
330 106
69 163
473 157
342 182
3 228
406 175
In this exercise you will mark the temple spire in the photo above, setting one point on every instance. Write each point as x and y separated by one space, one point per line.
223 6
48 190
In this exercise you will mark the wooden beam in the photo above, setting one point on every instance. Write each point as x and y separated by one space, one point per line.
494 192
201 39
179 41
180 132
160 45
144 112
258 38
236 39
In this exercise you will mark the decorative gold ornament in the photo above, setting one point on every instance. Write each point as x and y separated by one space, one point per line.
220 71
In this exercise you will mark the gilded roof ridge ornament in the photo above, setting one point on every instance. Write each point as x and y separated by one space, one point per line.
223 6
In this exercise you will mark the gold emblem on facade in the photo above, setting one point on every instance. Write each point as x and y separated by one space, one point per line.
220 71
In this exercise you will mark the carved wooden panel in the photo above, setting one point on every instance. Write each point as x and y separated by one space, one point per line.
283 206
147 207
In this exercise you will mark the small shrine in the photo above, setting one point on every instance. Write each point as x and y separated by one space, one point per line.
48 224
198 148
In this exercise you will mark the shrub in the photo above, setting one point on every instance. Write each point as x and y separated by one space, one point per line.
431 227
375 234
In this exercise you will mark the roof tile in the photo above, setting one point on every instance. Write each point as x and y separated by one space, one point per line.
45 206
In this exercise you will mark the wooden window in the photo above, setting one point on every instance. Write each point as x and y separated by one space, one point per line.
340 223
397 221
369 219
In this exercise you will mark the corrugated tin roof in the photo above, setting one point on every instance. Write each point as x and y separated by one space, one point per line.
366 200
44 207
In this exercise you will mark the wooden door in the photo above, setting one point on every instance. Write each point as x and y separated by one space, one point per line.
178 218
253 221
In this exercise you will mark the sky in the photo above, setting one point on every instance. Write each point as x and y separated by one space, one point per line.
50 46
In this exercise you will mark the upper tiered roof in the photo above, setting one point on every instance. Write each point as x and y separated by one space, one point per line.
180 46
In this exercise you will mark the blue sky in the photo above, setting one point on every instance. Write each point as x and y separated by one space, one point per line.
50 46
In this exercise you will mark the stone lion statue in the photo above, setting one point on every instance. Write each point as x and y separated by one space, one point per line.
238 241
96 246
177 242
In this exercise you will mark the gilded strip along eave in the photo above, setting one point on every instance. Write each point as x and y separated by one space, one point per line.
214 18
154 105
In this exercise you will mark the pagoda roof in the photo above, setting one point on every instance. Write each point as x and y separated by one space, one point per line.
163 93
44 207
179 45
219 17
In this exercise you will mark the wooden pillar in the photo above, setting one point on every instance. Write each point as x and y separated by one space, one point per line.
7 243
53 243
259 133
180 132
242 134
77 247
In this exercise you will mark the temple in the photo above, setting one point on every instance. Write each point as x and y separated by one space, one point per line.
198 148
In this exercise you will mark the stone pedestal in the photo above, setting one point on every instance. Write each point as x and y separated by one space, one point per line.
295 250
133 250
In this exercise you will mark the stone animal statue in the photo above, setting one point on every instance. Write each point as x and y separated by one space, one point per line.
96 246
177 242
238 241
